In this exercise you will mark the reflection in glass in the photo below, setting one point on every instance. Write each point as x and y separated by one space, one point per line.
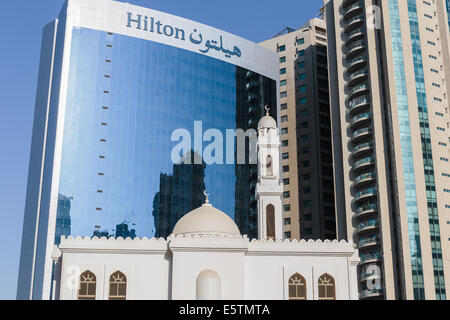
179 194
125 98
63 218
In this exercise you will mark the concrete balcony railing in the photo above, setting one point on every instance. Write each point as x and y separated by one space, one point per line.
252 84
353 22
366 193
356 46
368 225
368 161
357 76
367 209
359 89
360 119
364 179
253 109
357 62
355 34
358 103
361 133
371 293
368 242
361 149
353 8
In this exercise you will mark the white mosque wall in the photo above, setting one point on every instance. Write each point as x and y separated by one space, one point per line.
168 269
223 255
145 263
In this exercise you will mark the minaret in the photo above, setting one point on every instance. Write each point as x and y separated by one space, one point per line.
269 188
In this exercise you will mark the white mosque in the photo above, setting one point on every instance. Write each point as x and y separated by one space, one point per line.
207 258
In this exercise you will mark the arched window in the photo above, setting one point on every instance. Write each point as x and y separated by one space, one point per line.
208 286
269 165
270 221
117 286
88 283
327 287
297 287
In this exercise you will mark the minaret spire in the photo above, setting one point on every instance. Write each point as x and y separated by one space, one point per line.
207 203
269 188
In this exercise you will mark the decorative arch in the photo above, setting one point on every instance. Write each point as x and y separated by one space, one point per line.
88 286
270 221
297 287
327 287
117 286
209 286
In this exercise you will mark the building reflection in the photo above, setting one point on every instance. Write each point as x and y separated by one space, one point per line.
100 233
122 230
63 221
179 193
253 92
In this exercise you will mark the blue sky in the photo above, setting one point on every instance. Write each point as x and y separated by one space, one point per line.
21 23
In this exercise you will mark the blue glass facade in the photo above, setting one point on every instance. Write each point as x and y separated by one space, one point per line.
118 100
126 97
433 215
407 151
448 13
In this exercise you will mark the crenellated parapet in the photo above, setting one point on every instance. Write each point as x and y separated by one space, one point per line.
113 245
301 247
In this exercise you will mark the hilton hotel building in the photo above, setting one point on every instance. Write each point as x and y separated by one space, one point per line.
115 83
389 84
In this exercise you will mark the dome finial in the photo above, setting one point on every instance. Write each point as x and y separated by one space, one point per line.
267 109
207 197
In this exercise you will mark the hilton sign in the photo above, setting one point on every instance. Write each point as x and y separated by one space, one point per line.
150 24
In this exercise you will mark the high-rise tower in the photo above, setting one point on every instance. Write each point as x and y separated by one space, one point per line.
116 83
389 84
307 162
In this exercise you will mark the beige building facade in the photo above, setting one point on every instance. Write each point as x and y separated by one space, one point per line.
308 197
389 83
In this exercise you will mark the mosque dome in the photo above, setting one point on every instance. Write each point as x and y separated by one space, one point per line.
267 121
206 220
